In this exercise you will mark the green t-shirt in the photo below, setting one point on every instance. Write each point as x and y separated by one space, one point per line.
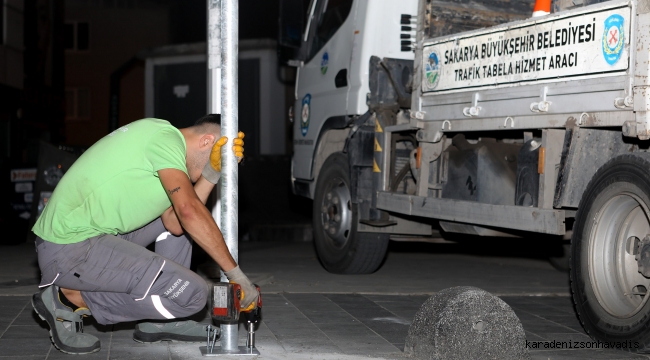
113 188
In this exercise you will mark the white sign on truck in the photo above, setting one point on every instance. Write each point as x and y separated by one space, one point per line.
559 47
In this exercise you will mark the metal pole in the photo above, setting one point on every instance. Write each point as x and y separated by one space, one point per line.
229 128
229 121
214 79
214 57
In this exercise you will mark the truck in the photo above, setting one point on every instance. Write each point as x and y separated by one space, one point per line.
490 123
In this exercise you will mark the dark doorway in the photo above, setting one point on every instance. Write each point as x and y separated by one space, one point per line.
249 104
180 92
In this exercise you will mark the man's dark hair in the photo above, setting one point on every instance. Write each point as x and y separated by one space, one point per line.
214 119
208 124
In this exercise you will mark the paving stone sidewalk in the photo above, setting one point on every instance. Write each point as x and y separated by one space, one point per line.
306 326
311 314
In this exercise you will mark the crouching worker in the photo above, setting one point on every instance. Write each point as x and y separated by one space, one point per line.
145 182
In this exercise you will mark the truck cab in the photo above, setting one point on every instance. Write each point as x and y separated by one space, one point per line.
332 42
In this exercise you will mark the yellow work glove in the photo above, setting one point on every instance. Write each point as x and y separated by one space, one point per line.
212 170
238 146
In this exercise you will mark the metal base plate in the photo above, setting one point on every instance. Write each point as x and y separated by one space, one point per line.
216 351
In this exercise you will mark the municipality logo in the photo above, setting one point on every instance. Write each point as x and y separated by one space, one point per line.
305 114
323 63
613 38
432 70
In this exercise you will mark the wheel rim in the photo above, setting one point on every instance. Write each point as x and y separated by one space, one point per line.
618 227
336 212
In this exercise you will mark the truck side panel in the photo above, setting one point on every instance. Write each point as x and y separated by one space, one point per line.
371 28
553 119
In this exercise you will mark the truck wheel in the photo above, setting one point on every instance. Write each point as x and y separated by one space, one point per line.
340 248
609 293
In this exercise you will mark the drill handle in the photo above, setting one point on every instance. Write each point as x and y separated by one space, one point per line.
253 316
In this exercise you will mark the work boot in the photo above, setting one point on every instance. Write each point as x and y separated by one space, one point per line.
177 331
66 325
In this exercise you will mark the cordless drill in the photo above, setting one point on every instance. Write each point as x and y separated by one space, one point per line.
226 307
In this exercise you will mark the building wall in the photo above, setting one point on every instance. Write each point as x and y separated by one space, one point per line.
262 106
272 117
12 78
11 47
116 34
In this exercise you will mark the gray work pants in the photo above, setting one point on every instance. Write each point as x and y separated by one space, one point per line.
120 280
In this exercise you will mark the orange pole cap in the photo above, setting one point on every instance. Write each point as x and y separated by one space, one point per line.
542 7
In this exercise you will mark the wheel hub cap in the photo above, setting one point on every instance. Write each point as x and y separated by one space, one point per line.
613 246
336 212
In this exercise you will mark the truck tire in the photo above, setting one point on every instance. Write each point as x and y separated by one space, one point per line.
608 291
340 248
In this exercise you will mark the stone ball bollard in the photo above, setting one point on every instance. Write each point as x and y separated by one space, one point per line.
466 323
